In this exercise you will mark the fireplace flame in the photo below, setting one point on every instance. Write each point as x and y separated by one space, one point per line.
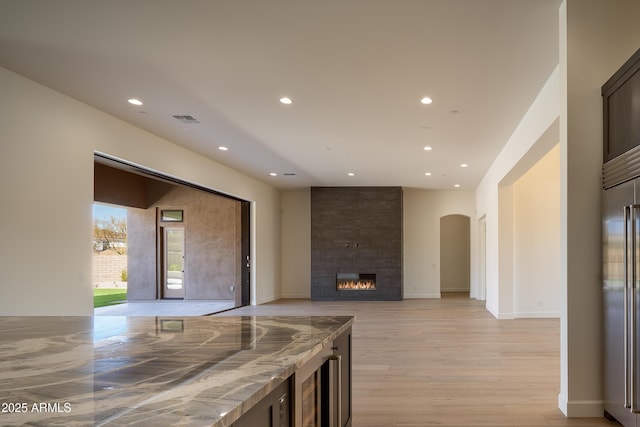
357 285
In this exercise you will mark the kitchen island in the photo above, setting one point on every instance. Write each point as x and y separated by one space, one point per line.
156 371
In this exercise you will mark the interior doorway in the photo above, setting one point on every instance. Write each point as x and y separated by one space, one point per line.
455 254
184 241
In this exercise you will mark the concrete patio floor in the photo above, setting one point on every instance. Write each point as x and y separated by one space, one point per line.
165 308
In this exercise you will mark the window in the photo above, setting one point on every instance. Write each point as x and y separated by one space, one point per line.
171 216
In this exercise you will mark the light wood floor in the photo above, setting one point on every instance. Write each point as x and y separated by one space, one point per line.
446 362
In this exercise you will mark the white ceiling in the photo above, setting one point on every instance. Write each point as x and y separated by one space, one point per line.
355 69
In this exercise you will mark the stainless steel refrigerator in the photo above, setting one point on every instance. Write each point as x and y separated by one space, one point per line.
621 271
621 243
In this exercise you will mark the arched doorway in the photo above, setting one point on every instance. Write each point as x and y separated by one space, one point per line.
455 250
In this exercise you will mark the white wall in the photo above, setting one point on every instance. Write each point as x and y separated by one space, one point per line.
422 211
505 252
596 38
536 134
296 243
46 185
537 278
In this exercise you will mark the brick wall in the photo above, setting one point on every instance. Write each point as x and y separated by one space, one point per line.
107 268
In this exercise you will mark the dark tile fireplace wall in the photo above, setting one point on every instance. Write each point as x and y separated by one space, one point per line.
356 230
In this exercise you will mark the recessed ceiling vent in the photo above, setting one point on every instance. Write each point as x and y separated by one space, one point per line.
186 119
289 174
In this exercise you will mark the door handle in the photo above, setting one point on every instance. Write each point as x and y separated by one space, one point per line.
338 401
633 288
625 310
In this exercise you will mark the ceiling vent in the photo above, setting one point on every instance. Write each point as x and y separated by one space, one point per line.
186 119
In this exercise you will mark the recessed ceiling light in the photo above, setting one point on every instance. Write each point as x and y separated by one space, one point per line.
427 148
135 101
286 100
273 174
223 148
428 173
426 100
464 165
456 185
351 174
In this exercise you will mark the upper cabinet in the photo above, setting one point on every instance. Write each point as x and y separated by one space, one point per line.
621 106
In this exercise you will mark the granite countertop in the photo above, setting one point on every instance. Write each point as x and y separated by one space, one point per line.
155 371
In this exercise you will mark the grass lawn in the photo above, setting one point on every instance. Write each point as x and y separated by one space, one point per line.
108 296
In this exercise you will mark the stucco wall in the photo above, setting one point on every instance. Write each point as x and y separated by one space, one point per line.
212 236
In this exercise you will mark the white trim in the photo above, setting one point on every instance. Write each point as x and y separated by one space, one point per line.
296 296
266 300
467 289
537 315
580 408
506 316
491 310
422 296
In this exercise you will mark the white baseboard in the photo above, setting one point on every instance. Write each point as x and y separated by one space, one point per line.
268 299
505 316
537 315
296 296
580 408
523 314
492 311
421 296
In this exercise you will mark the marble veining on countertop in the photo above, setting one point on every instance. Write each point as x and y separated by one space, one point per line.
150 371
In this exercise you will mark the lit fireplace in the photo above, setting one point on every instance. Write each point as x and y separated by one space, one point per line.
355 282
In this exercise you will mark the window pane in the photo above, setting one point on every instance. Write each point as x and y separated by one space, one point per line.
171 216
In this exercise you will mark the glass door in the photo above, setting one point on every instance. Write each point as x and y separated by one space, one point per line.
173 262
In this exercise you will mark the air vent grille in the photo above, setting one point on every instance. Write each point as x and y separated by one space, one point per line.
185 119
621 169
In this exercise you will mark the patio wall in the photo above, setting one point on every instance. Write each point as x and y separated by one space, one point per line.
107 269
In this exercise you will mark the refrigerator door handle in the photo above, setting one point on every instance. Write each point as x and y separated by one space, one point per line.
625 311
633 290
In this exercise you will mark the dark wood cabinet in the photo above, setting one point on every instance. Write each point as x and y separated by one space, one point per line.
319 394
274 410
323 388
621 109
